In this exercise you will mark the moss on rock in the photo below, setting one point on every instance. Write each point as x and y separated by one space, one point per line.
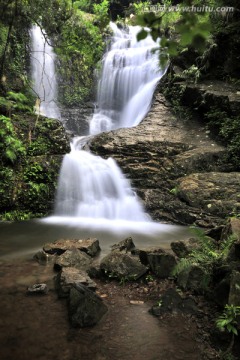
29 182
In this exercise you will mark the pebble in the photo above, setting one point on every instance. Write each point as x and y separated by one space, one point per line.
37 289
136 302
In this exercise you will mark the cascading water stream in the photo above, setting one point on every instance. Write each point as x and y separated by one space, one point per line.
43 74
94 188
129 77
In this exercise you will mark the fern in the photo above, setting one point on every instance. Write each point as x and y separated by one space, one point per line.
182 265
227 244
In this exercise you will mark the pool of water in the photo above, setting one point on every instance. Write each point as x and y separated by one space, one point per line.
23 239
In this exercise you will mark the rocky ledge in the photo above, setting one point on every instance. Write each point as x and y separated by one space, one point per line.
163 156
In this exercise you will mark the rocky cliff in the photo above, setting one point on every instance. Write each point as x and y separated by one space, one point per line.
177 170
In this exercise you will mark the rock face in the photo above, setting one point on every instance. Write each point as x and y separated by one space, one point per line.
85 307
159 154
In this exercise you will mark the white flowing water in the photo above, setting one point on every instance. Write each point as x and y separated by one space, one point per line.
129 76
92 189
43 74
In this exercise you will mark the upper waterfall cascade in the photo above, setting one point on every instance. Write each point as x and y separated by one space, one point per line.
92 187
43 74
129 76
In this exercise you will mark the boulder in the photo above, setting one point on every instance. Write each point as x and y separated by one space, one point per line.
124 245
144 252
85 307
183 248
194 277
234 294
89 246
73 258
121 265
160 261
69 277
172 301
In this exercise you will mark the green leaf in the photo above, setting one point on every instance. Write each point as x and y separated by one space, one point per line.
142 35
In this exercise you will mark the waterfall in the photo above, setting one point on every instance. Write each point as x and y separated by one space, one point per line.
94 188
43 74
129 76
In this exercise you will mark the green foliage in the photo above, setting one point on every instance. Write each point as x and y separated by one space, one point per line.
227 130
10 145
206 255
226 245
174 191
228 319
101 12
122 279
149 278
192 73
140 7
17 215
189 29
79 48
19 101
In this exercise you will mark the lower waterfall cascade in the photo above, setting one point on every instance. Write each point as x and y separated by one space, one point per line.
89 186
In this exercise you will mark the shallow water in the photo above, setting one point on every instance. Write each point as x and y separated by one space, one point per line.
23 239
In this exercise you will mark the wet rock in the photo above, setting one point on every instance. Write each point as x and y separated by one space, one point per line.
89 246
69 277
160 261
122 265
194 278
73 258
85 307
77 119
38 289
184 248
234 294
124 245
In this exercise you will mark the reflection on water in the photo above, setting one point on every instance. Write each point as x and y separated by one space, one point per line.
23 239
